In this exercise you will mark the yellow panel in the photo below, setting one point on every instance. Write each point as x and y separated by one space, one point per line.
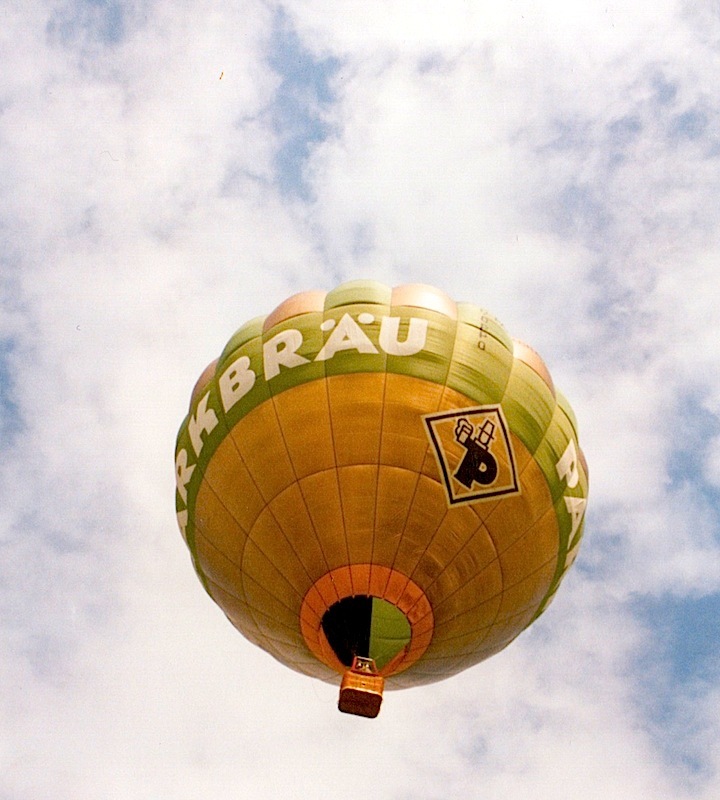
259 440
455 530
515 514
470 560
291 513
472 607
227 474
264 583
356 409
535 548
322 497
219 569
460 648
523 457
527 595
238 612
473 651
272 616
502 634
396 490
404 441
465 634
216 523
427 512
268 537
358 487
291 651
304 416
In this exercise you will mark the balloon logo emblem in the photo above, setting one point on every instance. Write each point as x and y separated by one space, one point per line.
474 452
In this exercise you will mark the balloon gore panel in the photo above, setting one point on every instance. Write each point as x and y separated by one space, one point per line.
380 473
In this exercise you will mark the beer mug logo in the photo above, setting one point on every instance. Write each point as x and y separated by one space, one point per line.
474 452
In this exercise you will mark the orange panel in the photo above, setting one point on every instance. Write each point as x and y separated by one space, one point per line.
420 295
386 584
207 375
314 606
527 355
328 590
300 303
342 579
379 576
361 578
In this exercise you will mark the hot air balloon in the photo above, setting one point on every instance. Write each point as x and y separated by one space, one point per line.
379 487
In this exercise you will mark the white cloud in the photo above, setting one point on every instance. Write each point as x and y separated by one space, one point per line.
556 163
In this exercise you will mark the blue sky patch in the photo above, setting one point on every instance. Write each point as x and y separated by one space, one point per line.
299 106
679 668
690 124
9 413
692 428
101 20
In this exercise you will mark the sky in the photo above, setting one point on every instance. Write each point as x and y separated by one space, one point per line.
170 170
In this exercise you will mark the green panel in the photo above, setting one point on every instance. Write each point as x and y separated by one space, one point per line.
195 420
433 362
528 405
480 373
197 463
260 391
349 361
562 401
352 292
550 451
312 335
250 330
389 632
486 324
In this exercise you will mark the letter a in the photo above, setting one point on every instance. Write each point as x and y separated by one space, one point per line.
567 466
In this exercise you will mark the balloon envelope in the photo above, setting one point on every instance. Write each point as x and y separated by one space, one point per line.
383 473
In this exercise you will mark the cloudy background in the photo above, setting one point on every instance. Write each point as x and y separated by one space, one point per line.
169 170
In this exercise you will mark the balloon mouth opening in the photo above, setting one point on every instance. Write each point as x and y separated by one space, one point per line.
366 611
367 627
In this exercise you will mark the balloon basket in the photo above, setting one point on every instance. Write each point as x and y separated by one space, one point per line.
361 689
